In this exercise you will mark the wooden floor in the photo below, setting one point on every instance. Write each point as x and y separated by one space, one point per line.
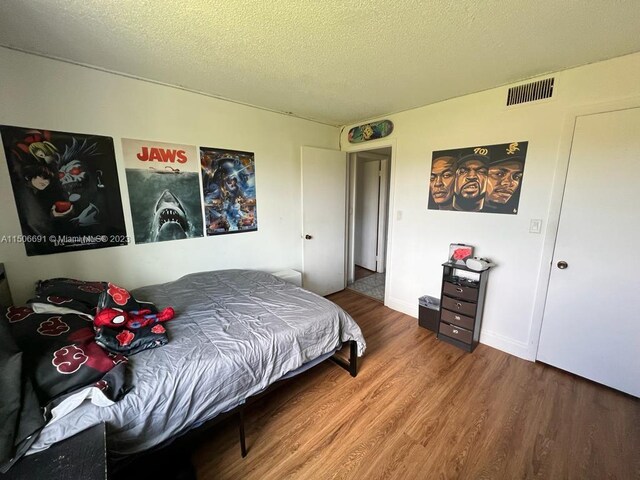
420 408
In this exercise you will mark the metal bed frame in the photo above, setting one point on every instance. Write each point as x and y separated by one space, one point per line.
182 442
351 366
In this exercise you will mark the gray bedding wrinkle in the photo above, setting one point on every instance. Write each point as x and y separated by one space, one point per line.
235 333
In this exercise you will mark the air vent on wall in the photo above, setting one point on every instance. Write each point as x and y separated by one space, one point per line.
530 92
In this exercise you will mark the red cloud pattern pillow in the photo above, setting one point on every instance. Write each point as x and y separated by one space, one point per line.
117 297
60 352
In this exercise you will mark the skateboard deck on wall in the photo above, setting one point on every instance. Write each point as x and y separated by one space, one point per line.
370 131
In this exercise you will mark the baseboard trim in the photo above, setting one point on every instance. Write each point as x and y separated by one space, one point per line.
506 344
487 337
410 309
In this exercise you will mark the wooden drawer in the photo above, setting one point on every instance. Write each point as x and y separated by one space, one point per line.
456 332
459 306
457 319
459 291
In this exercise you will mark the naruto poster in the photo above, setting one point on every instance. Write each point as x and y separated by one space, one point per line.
164 190
229 190
66 190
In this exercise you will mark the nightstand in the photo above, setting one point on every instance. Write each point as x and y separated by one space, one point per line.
83 456
461 306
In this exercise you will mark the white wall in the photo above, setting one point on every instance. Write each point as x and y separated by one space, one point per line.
48 94
420 240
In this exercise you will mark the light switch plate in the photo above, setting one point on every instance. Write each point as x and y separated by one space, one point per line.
535 226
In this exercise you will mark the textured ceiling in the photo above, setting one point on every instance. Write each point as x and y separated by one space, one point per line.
334 61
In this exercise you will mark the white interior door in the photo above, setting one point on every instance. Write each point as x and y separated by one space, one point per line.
591 322
324 195
366 215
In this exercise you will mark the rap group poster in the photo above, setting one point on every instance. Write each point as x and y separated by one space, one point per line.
66 190
484 178
229 190
164 190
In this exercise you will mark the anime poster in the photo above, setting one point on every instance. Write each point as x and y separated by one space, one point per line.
486 178
66 190
229 189
164 190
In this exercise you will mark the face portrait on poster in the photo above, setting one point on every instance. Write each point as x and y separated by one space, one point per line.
229 191
66 190
486 179
164 190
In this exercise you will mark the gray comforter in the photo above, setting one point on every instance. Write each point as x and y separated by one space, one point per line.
235 333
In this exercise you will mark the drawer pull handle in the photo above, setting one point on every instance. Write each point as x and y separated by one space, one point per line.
455 331
457 317
459 290
458 305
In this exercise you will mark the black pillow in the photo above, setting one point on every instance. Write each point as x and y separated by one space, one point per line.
67 293
60 305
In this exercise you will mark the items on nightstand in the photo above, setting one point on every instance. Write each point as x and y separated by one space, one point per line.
429 312
459 252
463 292
478 264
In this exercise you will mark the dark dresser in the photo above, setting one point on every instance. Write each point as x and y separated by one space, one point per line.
461 307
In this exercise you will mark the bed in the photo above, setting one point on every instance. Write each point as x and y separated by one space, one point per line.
236 333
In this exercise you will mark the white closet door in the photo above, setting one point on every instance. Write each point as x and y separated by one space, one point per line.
591 322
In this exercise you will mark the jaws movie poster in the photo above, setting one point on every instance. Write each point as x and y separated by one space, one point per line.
164 190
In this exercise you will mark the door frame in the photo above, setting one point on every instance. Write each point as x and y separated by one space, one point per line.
555 207
354 159
391 207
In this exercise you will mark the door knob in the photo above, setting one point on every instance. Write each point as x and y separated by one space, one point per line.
562 264
308 237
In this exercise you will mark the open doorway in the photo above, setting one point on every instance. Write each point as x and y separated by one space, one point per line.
369 173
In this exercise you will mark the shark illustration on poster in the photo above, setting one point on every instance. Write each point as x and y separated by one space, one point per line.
169 219
164 190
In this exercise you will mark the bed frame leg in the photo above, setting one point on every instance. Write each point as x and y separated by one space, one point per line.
353 358
243 444
352 365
